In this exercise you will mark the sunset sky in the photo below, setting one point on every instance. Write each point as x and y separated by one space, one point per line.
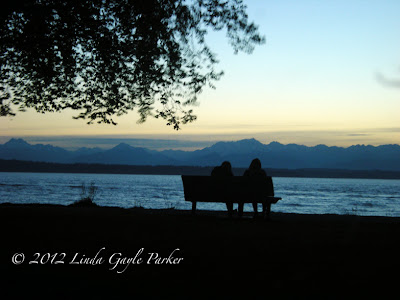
315 81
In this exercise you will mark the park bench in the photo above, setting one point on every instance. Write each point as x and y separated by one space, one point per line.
235 189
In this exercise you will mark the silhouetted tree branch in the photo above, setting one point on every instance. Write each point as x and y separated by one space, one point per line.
107 57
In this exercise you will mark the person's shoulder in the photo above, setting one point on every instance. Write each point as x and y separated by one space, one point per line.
215 171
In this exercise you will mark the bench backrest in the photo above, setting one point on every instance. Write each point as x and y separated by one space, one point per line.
221 189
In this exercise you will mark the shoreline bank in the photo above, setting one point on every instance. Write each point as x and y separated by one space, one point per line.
291 255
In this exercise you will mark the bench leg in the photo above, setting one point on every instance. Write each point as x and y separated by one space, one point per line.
229 207
255 209
268 211
240 209
194 207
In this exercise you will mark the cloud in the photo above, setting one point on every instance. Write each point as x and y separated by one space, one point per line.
390 129
389 82
358 134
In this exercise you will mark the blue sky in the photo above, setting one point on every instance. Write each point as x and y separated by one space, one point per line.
313 82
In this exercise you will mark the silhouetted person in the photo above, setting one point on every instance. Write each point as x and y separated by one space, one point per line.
255 171
224 170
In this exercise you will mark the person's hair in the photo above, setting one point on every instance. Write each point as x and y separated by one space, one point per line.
255 164
226 165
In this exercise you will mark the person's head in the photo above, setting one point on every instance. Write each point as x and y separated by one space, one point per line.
226 165
255 164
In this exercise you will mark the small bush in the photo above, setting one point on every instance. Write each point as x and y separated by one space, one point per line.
87 202
87 196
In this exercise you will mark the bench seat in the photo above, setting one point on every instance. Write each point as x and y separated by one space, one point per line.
235 189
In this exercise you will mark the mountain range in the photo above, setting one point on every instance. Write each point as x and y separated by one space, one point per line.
239 153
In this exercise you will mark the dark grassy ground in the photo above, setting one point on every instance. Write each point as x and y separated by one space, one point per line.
291 256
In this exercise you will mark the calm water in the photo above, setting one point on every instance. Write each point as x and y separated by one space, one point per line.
300 195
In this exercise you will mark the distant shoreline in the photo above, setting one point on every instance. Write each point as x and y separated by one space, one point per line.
45 167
